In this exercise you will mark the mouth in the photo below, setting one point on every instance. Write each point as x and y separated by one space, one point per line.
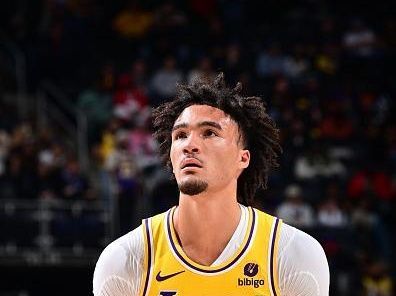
189 166
190 163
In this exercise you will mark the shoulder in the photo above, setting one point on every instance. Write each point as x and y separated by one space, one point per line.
298 241
118 269
302 264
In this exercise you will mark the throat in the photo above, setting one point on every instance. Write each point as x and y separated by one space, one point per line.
204 238
203 255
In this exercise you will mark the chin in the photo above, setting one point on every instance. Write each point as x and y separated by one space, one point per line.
186 177
192 186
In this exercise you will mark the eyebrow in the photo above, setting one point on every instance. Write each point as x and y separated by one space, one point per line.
200 124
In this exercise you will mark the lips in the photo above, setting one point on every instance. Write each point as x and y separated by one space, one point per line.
190 163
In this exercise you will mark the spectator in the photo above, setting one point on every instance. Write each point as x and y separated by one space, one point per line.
372 179
95 103
359 40
337 126
377 281
234 63
372 234
296 65
327 61
49 180
132 21
108 139
51 161
164 80
317 163
75 184
271 62
142 146
123 166
203 69
169 18
294 210
330 213
128 101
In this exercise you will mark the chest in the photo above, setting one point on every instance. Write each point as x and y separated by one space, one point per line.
249 271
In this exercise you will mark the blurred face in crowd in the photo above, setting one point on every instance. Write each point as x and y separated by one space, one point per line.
206 151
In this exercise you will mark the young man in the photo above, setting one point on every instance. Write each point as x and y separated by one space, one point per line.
220 147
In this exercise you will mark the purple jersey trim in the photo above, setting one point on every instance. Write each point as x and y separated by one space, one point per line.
272 256
169 221
149 255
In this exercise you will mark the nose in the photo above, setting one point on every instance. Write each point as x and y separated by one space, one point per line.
191 145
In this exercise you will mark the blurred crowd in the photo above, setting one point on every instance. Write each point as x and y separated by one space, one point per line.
325 69
35 165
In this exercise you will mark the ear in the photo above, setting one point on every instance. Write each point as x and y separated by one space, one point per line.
244 159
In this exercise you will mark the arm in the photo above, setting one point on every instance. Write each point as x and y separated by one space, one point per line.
302 264
118 270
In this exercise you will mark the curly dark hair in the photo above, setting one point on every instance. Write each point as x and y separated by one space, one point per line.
258 131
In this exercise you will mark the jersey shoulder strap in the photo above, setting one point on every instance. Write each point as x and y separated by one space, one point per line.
274 224
150 227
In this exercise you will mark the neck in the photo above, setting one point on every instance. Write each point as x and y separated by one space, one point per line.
205 218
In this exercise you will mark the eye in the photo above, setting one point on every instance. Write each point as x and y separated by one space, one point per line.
209 133
179 135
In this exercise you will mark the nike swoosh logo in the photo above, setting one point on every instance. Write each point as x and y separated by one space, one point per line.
160 278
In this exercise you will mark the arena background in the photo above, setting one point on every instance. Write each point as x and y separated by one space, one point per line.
78 166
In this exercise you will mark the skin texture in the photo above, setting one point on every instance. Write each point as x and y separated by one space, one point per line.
206 136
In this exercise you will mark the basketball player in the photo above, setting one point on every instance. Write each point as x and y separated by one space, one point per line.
220 147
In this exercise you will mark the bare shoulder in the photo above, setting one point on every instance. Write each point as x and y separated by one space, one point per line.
302 263
120 263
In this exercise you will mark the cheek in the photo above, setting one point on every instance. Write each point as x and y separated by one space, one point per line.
226 159
171 152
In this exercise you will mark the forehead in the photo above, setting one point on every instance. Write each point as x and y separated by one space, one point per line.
195 114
